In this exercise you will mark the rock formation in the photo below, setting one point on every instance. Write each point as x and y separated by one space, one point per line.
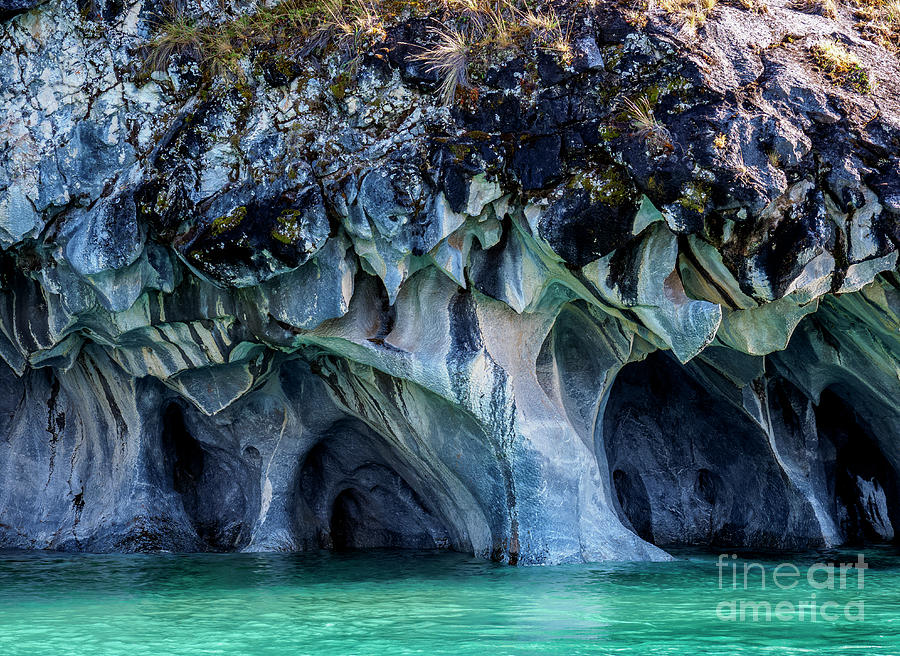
640 294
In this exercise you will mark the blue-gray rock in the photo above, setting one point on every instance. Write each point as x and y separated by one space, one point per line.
303 308
12 7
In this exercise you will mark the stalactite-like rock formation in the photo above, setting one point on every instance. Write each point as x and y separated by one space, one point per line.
310 310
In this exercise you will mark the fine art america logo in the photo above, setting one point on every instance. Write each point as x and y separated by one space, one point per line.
792 594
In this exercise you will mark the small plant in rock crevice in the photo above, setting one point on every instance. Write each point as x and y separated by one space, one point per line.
640 114
840 65
449 58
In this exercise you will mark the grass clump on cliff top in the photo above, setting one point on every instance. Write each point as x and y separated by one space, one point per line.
486 30
692 12
827 8
467 35
879 20
220 47
689 14
840 65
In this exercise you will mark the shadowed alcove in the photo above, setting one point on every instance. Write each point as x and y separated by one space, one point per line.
861 480
359 493
688 467
217 488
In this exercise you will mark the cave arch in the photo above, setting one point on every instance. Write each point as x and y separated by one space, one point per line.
356 491
215 487
688 467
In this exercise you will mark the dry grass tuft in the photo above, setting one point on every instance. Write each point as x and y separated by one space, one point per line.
501 27
548 29
486 29
449 57
756 6
692 13
180 36
879 20
351 23
840 65
827 8
640 114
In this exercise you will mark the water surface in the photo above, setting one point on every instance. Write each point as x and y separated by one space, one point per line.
394 603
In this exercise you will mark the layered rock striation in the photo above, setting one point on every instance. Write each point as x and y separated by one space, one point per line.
312 307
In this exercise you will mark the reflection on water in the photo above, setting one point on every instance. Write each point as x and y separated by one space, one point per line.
387 603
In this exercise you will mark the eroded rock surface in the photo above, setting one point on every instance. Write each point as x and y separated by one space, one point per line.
311 310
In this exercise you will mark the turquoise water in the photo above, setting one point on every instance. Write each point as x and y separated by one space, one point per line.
390 603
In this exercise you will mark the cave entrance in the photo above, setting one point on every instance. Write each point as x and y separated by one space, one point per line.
356 492
634 502
214 486
689 468
861 481
345 519
361 522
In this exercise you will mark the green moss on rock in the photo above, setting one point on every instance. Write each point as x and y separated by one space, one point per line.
288 226
226 222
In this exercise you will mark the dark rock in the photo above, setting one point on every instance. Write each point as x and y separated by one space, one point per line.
249 235
886 184
9 8
507 76
107 237
537 161
581 230
587 55
550 70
